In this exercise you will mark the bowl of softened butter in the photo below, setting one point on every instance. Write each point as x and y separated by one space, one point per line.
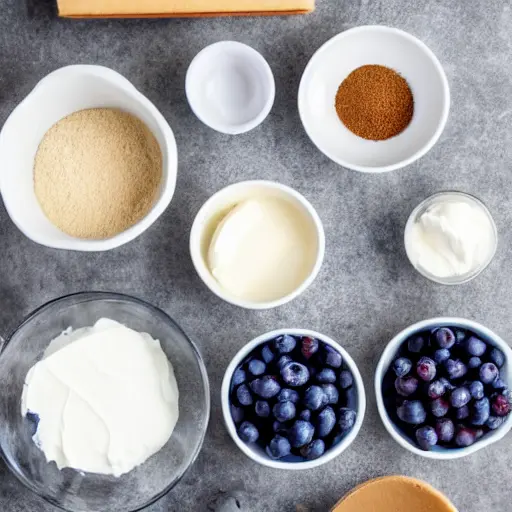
257 244
105 403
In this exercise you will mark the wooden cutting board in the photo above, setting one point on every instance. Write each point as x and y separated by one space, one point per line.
179 8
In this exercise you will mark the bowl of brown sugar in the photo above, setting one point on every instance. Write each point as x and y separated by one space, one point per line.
89 162
374 99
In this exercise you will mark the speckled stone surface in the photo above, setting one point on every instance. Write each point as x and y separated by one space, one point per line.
366 291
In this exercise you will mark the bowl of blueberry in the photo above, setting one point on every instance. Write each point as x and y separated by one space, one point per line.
443 388
293 399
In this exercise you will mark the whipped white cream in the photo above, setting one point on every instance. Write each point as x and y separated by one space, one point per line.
263 249
106 398
451 238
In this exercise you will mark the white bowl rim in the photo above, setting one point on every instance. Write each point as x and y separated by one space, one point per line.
392 348
233 129
209 280
168 183
329 454
442 121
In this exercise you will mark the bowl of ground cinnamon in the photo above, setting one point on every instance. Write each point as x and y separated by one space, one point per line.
374 99
89 162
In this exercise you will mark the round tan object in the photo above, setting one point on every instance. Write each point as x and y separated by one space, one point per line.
394 494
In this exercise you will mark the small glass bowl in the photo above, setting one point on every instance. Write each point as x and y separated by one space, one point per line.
73 490
422 208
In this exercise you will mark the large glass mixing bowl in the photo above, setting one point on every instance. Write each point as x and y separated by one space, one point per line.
85 492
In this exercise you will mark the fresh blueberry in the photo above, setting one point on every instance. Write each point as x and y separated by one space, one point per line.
346 419
248 432
350 397
460 335
447 384
314 397
33 420
331 393
455 368
480 411
465 437
495 422
284 411
326 376
313 450
237 413
507 393
441 355
439 408
266 387
239 377
406 386
256 367
278 447
283 361
305 415
332 357
286 395
426 369
488 372
426 437
295 374
266 354
244 395
476 388
475 346
460 397
415 344
500 405
262 409
346 379
285 344
279 428
499 384
462 412
444 337
325 422
309 347
479 432
445 430
402 366
474 362
301 433
436 389
497 357
412 412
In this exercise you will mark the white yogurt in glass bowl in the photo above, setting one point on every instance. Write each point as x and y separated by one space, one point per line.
450 237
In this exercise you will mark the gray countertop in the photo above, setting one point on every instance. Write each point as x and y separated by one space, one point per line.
366 291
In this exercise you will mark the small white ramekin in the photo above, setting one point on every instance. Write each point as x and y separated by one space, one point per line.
441 197
255 452
56 96
230 87
225 199
390 353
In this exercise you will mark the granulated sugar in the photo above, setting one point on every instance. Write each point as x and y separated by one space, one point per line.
97 172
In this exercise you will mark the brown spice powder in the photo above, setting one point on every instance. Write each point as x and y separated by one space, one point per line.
97 172
375 102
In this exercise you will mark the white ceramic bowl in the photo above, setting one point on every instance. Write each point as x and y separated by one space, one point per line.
390 47
59 94
210 215
442 197
257 453
230 87
390 353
